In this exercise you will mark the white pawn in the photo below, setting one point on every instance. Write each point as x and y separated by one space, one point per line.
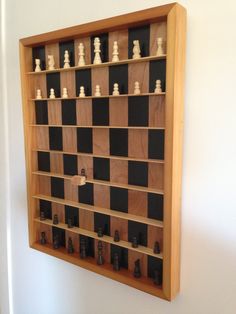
136 50
81 92
64 92
66 60
158 87
160 50
136 88
115 53
97 50
38 94
52 93
97 91
37 65
116 90
51 62
81 61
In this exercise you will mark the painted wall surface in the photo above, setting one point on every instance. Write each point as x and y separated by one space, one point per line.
44 285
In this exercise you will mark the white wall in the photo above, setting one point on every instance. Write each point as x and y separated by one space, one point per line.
45 285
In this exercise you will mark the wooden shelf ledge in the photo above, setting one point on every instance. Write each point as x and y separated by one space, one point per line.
105 238
101 210
101 182
102 65
97 126
158 161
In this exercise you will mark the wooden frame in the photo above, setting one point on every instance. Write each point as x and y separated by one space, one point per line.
174 16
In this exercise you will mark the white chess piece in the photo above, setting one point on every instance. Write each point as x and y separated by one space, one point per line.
51 62
97 91
81 61
37 65
136 50
66 60
115 53
97 50
38 94
158 87
136 88
81 92
52 93
116 90
64 92
160 50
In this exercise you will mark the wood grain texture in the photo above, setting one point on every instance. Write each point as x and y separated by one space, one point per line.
118 111
101 141
44 185
84 111
54 112
138 143
100 77
68 80
138 72
75 240
43 228
41 138
157 111
158 29
155 176
69 137
132 257
58 209
86 220
121 37
56 163
38 82
121 225
101 196
155 234
137 203
52 49
71 191
87 50
87 164
119 171
105 251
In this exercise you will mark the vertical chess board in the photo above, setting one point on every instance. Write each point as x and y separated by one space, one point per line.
129 147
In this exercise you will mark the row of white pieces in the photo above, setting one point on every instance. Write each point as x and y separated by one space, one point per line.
97 93
97 51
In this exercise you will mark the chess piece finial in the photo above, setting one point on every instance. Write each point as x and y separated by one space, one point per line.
116 90
51 62
37 65
64 92
134 242
52 93
157 277
38 94
43 238
136 50
81 92
83 253
100 258
137 270
100 232
97 51
70 247
136 88
42 215
97 91
160 50
56 242
70 223
116 236
158 87
81 61
115 53
156 249
55 219
116 262
66 60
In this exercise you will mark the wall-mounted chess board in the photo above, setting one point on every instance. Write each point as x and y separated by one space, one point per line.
103 136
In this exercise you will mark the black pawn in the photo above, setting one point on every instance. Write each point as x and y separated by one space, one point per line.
100 232
116 262
43 238
70 248
100 259
137 270
42 215
55 219
157 278
56 242
83 249
156 249
83 173
134 242
69 223
116 236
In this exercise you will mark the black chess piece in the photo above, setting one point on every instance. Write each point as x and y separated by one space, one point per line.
156 249
83 253
157 278
116 262
116 236
42 215
56 242
100 232
43 238
70 223
70 248
83 173
137 270
55 219
100 258
134 242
